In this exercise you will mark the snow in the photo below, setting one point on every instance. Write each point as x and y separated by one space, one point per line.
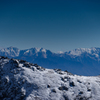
37 49
87 59
26 81
27 52
43 50
79 51
60 52
10 51
14 52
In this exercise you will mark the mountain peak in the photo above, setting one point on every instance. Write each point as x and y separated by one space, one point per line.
9 51
43 50
79 51
11 47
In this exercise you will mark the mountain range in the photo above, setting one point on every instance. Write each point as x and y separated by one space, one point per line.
21 80
81 61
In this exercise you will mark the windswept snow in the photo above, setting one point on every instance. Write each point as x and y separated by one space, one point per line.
21 80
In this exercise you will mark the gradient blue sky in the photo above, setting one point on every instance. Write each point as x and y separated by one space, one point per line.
58 25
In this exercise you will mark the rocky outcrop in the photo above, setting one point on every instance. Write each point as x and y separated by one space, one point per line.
21 80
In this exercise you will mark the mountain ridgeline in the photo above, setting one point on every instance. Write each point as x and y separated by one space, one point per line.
81 61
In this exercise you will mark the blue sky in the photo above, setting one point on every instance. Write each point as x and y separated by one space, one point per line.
58 25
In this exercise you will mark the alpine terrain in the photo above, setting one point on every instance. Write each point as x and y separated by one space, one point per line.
21 80
81 61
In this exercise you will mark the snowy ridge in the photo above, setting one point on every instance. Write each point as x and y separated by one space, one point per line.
10 52
85 59
14 52
21 80
79 51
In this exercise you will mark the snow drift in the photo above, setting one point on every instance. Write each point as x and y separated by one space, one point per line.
21 80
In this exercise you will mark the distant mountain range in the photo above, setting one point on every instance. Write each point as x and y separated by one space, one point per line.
81 61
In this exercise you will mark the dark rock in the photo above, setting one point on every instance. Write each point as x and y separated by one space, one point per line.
14 63
40 68
79 81
27 65
81 92
79 97
22 61
48 86
63 88
66 97
72 84
53 90
35 65
88 89
66 71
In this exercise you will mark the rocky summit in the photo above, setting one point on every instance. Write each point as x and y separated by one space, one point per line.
21 80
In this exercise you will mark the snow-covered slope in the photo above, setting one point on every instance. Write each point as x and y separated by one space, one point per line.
78 52
21 80
85 59
10 52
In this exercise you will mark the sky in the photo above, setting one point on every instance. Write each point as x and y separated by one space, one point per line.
57 25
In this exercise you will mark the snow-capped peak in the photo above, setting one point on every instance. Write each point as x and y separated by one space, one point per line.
60 52
35 51
79 51
43 50
10 51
